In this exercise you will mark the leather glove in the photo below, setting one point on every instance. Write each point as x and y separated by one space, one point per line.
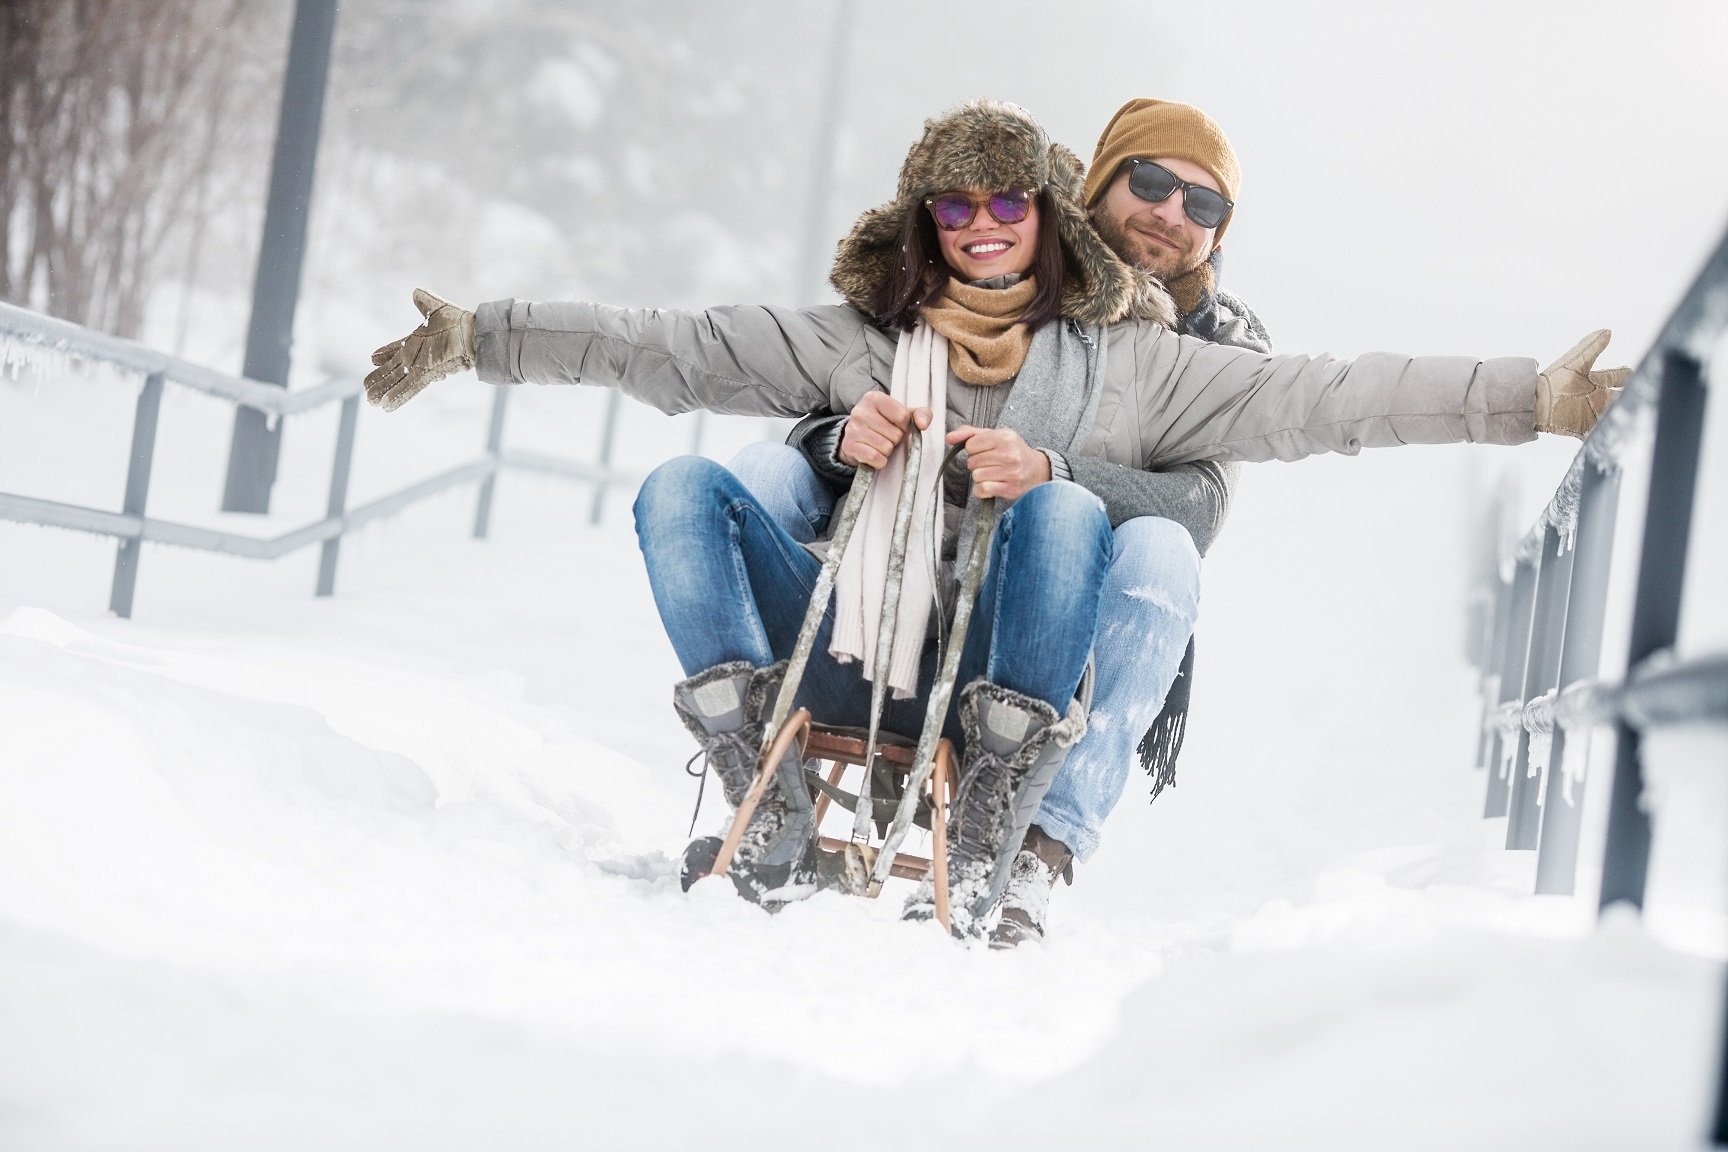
440 346
1571 393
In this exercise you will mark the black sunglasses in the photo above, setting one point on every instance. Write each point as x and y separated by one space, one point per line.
1154 183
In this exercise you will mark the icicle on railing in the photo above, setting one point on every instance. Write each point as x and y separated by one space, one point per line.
1578 708
41 358
1538 723
1508 722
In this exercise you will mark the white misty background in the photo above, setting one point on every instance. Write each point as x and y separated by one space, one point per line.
394 868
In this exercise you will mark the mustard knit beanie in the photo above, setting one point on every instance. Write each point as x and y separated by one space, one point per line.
1151 128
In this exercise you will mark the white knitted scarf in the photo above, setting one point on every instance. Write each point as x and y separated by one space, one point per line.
920 381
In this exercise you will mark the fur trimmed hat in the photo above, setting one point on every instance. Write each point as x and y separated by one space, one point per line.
1154 128
990 144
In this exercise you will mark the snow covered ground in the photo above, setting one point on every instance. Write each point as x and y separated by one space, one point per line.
396 869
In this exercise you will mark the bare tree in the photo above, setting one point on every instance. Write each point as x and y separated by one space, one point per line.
116 118
662 144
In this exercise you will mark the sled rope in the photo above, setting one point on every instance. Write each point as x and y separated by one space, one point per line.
819 597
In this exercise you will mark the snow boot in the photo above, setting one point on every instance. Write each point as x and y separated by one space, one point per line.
1014 745
725 708
1031 879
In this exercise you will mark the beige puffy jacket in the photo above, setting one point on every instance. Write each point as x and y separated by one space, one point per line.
1164 399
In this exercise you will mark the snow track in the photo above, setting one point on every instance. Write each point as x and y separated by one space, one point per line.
397 869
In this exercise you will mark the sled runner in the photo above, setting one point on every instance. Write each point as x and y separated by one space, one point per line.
904 782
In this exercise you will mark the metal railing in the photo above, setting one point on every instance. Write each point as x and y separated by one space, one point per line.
1541 685
133 527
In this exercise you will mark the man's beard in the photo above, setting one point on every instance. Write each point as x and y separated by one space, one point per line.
1165 263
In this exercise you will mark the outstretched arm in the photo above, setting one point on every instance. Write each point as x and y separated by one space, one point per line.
746 359
1204 401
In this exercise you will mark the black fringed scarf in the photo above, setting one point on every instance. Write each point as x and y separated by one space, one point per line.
1163 741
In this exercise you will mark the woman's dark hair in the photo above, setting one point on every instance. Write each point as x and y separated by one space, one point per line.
923 273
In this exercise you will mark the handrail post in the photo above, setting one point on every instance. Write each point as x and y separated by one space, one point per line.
696 433
1512 663
494 453
257 440
1541 673
1482 552
338 502
608 434
143 457
816 246
1580 657
1719 1128
1655 610
1493 659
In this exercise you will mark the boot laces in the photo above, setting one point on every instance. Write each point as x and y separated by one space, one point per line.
733 756
701 787
982 807
728 754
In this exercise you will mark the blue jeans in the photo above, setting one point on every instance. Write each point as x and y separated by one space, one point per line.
732 584
1148 603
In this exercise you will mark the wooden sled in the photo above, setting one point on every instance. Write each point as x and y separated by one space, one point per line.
925 772
848 864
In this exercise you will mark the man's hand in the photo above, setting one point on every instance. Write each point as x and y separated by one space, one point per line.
440 346
1571 393
875 427
1001 463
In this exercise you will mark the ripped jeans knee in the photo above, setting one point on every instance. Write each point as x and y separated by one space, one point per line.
1148 607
